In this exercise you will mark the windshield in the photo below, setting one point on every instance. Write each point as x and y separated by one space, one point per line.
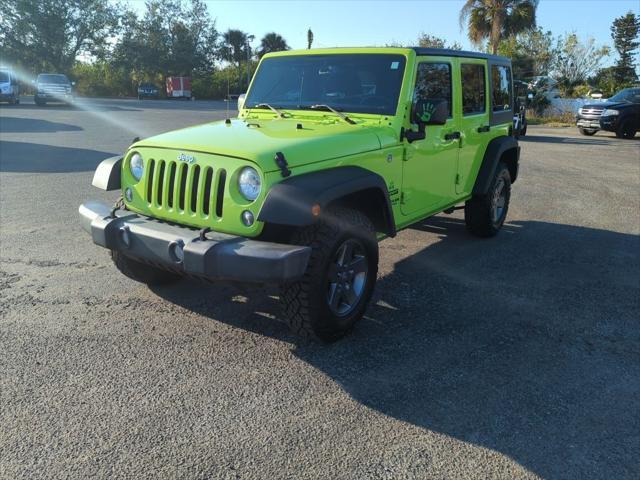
52 78
631 95
357 83
4 77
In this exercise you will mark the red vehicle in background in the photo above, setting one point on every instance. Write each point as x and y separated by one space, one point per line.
179 87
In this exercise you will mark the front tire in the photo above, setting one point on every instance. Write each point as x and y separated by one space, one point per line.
141 272
586 131
485 214
336 288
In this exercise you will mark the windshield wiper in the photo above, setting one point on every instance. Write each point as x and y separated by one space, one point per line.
273 109
333 110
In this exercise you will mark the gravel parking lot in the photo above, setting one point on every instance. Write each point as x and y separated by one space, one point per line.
514 357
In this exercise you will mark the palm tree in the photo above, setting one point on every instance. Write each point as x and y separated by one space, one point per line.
494 19
272 42
235 49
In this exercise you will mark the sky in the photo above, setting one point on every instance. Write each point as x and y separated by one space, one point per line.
382 22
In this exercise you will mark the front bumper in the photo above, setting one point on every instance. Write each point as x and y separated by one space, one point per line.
218 257
588 123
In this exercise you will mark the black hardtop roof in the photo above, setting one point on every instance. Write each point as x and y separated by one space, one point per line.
448 52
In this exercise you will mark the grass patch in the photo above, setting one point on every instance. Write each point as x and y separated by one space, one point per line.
558 120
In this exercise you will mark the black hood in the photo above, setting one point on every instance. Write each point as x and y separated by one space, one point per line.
605 105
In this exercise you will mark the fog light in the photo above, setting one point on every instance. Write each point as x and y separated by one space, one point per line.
124 235
128 194
247 218
176 249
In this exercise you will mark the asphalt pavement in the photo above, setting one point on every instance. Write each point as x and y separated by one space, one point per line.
512 357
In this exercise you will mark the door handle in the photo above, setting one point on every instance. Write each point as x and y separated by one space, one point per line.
452 136
484 128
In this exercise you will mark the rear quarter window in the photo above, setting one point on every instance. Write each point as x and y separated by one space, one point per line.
501 88
474 99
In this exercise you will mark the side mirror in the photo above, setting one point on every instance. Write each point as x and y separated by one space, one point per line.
429 112
241 98
426 112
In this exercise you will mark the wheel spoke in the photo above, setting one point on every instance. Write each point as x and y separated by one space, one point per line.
346 254
334 296
350 296
358 264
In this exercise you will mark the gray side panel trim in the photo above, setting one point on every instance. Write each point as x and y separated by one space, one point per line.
107 175
496 148
289 202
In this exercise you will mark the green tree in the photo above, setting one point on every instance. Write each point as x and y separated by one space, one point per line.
51 34
493 20
576 60
531 52
624 32
431 41
272 42
309 39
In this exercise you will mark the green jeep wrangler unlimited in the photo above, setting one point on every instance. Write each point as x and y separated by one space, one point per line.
332 150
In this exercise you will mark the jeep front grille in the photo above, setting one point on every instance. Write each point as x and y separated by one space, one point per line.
178 186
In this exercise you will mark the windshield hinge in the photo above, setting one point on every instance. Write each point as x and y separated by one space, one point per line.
281 162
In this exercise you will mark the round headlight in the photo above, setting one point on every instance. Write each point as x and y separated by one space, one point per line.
136 166
249 183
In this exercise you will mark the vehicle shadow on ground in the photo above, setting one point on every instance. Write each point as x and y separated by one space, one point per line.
525 344
33 125
42 158
575 141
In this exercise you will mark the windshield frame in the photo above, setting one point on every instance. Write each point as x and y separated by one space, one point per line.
305 104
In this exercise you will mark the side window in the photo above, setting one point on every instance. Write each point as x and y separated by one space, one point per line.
473 89
433 83
501 88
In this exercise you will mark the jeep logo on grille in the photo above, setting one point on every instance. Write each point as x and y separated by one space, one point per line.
183 157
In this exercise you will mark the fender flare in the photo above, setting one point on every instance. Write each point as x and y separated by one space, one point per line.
496 148
290 201
108 174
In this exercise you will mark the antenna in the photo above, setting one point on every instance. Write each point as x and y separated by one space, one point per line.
228 100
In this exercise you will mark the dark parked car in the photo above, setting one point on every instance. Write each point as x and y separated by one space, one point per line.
53 87
619 114
148 90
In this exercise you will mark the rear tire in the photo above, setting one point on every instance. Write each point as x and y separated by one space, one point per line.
141 272
626 130
586 131
485 214
336 288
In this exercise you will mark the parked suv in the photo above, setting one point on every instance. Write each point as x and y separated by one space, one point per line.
300 187
9 88
622 114
53 87
619 114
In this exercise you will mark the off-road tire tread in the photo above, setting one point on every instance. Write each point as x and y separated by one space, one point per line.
477 210
295 296
141 272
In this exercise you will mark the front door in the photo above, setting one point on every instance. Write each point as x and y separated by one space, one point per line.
429 169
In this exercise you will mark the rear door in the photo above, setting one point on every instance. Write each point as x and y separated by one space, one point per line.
475 122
